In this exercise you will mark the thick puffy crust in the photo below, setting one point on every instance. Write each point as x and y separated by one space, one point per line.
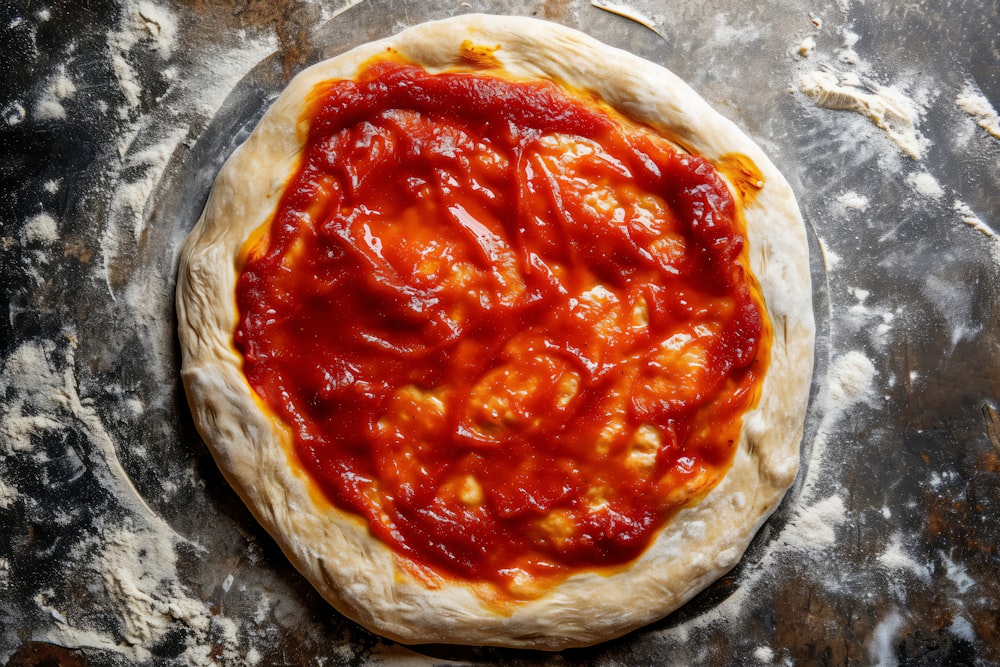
360 576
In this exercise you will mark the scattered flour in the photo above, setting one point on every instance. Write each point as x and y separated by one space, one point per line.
953 302
729 32
895 559
806 46
49 106
885 106
851 381
961 628
133 558
956 574
147 146
853 200
139 571
145 24
8 495
14 113
847 54
214 78
925 185
151 161
882 650
969 217
41 228
972 101
830 258
844 82
330 10
814 528
764 654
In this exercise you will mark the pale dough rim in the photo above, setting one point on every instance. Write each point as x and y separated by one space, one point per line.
359 575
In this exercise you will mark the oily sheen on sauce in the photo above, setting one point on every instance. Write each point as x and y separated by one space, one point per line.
507 326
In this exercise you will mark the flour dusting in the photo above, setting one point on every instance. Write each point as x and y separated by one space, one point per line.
851 381
814 527
764 654
925 185
59 89
969 217
14 113
894 559
956 574
139 570
41 228
882 649
972 101
8 495
806 46
887 107
144 26
853 200
133 556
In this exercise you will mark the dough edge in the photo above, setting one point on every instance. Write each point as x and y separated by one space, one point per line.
360 576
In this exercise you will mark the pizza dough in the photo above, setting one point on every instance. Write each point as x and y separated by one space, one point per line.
361 576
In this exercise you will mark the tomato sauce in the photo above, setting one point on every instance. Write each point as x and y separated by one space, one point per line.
510 328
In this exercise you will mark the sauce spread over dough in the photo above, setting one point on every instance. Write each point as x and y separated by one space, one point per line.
509 327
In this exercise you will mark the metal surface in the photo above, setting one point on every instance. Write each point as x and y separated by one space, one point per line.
121 542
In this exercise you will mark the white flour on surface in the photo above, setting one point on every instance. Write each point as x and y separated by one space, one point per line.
814 528
894 559
955 306
806 46
887 107
49 106
956 574
144 25
853 200
147 145
41 228
136 565
8 494
882 650
847 54
972 101
961 627
845 82
969 217
139 571
925 185
14 113
831 260
129 559
331 10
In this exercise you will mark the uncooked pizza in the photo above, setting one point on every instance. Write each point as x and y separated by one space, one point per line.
502 333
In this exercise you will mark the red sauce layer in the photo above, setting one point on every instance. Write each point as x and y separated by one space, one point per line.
511 329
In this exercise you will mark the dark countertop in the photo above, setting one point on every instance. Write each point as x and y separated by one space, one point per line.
121 542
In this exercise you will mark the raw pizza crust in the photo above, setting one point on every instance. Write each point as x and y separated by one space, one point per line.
360 576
